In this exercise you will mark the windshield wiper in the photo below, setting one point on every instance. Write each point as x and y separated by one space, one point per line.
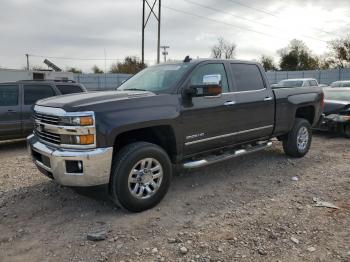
134 89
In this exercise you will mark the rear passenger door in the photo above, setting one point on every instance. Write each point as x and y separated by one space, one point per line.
252 113
10 111
31 94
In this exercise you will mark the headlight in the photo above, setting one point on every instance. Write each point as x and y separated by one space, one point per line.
76 121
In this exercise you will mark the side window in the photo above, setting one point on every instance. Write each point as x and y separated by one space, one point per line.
247 77
9 95
313 83
69 89
210 69
307 83
33 93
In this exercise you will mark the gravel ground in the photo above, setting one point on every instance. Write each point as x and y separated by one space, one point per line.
246 209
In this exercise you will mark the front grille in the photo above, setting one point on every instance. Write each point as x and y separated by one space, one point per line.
47 119
49 137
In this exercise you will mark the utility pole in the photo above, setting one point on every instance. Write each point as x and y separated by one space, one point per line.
165 53
27 56
144 24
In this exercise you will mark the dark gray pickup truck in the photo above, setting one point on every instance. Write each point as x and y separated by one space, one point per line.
187 115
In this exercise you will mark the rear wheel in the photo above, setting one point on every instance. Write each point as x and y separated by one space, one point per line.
141 176
297 142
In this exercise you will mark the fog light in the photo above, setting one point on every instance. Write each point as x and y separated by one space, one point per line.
74 166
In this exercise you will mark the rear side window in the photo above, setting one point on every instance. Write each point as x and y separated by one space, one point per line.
346 84
313 83
33 93
69 89
8 95
247 77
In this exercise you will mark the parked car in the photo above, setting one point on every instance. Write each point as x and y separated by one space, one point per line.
18 98
186 115
345 83
297 82
336 113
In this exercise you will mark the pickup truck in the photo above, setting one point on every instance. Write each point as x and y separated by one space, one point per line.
167 117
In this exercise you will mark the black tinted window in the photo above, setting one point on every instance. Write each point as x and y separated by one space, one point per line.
247 77
8 95
210 69
69 89
33 93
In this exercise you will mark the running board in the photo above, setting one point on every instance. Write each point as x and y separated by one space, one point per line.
211 159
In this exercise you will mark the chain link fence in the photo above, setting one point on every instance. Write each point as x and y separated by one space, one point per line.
101 82
322 76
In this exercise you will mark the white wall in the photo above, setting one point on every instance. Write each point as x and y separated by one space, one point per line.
10 75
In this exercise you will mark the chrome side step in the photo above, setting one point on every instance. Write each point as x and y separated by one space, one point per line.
211 159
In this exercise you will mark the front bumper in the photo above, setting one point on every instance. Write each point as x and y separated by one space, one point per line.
51 161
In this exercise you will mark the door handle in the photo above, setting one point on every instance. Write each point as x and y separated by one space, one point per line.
268 98
229 103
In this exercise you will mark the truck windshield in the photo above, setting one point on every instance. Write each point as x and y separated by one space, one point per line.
156 79
291 83
337 95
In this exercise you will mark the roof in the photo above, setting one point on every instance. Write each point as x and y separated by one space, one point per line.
299 79
60 82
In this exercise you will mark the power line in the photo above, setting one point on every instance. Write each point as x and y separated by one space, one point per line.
224 23
243 18
80 59
270 13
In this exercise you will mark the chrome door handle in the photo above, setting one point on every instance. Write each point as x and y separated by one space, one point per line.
268 98
229 103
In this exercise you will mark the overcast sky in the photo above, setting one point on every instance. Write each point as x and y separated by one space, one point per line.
86 29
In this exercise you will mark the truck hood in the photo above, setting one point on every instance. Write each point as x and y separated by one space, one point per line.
73 102
335 106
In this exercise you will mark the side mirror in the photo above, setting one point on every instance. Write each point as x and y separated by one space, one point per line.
211 87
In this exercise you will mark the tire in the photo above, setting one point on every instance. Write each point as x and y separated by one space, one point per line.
297 142
131 190
347 131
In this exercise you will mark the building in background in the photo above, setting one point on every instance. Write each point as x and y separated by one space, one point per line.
11 75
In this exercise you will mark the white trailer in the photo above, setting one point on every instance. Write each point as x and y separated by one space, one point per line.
11 75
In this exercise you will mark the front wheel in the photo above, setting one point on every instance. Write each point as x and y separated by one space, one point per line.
297 142
141 176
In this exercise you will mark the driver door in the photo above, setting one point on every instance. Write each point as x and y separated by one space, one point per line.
204 119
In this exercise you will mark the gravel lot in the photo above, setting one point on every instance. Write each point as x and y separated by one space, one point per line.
246 209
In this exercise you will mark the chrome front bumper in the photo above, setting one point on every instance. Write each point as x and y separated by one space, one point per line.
51 161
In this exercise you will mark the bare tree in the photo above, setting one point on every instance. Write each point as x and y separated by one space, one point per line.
340 52
223 49
267 62
97 70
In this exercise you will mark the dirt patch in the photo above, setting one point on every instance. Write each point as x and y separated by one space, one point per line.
245 209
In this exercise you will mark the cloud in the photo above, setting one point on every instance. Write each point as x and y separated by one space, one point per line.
84 29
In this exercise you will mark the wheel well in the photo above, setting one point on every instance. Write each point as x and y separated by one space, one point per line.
307 112
162 136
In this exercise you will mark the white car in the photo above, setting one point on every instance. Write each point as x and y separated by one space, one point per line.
298 82
345 83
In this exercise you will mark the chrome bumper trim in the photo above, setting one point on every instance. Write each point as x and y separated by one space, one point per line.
96 163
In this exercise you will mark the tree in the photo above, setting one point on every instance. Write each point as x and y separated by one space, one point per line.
297 56
74 70
267 62
340 52
97 70
130 65
223 49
